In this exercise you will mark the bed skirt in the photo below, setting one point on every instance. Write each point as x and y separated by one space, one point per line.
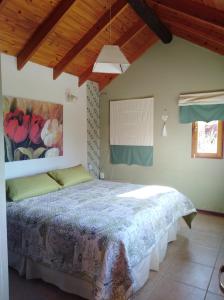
69 283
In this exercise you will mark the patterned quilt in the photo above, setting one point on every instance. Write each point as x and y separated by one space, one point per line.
98 230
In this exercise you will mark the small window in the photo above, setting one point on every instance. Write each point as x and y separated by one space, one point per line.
207 139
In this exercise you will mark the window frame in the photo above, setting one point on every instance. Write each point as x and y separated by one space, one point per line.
218 154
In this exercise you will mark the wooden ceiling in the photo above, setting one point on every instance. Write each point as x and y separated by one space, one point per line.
67 35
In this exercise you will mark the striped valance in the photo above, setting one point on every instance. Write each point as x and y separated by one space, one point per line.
201 107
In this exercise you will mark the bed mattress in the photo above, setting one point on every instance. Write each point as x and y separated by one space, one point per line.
97 231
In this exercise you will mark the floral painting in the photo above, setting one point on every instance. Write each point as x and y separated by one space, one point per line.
32 129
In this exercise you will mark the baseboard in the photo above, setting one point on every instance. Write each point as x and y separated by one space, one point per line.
210 213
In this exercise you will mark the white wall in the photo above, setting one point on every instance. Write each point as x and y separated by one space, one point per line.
35 82
3 238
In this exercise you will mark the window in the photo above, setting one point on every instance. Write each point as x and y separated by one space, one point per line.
207 139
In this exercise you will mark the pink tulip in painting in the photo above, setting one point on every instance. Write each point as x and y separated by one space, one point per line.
33 129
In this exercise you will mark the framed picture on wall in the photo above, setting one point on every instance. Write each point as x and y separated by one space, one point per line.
32 129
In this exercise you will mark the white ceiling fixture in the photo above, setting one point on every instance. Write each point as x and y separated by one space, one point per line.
111 59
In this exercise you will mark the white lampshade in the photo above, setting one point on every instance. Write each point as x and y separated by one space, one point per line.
111 60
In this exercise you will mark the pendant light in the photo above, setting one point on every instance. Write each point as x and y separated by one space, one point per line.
111 59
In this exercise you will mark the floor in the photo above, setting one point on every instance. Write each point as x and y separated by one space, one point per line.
189 272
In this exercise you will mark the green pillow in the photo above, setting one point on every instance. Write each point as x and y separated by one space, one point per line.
25 187
70 176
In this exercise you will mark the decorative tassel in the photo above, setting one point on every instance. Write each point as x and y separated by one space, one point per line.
164 119
164 131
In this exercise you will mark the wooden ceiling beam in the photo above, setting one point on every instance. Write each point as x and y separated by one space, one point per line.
191 25
121 42
42 32
151 19
206 29
201 11
195 37
100 25
2 4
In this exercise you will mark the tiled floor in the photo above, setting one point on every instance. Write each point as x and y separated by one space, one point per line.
189 272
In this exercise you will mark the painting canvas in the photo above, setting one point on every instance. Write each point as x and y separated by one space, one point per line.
32 129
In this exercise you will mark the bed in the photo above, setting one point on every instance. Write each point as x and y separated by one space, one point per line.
97 239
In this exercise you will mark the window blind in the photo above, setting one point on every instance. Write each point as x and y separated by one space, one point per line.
131 131
206 107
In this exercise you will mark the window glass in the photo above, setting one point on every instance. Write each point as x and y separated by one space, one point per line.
207 139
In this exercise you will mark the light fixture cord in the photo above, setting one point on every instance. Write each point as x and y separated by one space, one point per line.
110 23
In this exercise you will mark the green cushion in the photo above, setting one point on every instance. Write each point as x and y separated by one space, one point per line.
25 187
70 176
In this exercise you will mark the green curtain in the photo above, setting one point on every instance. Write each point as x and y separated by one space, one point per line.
131 155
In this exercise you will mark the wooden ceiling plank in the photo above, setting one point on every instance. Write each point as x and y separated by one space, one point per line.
2 4
211 34
192 28
151 19
206 29
125 38
196 9
195 37
100 25
42 32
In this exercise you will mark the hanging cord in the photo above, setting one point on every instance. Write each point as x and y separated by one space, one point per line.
110 23
221 282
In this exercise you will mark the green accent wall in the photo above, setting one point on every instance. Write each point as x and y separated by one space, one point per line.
165 71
